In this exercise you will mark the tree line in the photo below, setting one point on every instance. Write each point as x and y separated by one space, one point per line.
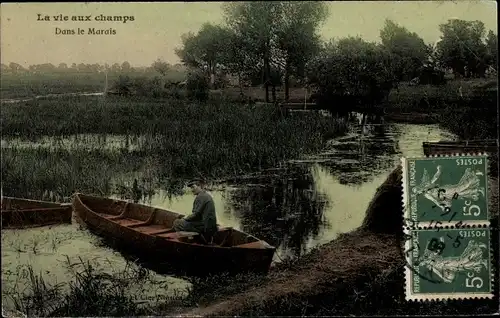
158 66
268 43
277 43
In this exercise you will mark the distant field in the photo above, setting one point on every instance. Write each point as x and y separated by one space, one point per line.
27 85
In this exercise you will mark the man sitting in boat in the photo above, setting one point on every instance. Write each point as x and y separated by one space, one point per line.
203 219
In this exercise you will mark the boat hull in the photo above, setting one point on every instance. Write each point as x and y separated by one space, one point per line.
450 147
25 213
193 259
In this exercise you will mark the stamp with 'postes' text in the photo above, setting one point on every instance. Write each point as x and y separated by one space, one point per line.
445 190
448 264
447 234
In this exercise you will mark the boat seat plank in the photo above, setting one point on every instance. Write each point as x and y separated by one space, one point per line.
257 244
176 235
111 217
164 230
128 222
150 229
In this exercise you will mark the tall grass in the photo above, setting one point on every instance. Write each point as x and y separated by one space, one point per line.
55 174
93 291
435 98
184 140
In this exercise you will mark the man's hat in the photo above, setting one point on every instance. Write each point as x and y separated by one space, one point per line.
194 181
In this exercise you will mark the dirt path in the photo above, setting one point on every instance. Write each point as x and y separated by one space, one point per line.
340 265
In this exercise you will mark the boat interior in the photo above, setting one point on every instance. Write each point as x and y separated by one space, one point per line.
15 204
158 222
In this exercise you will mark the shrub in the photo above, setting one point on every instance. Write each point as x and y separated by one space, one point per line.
351 72
197 86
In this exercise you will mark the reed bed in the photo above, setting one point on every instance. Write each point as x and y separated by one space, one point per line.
94 291
55 174
433 98
181 140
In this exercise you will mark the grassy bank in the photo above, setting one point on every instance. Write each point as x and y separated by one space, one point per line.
94 291
465 108
428 98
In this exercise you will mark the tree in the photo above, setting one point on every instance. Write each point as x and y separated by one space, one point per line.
409 51
492 49
297 38
5 68
278 37
349 72
205 49
256 24
461 47
15 68
237 60
126 66
115 67
160 66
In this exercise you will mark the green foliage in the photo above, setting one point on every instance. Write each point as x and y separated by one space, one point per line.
409 52
197 86
181 139
93 292
492 49
205 50
462 49
352 70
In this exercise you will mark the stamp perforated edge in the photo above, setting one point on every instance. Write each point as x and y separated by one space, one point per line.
407 244
410 297
404 181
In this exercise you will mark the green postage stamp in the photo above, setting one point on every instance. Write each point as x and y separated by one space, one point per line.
448 264
445 190
447 246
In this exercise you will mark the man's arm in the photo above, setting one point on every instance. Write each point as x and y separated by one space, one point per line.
198 206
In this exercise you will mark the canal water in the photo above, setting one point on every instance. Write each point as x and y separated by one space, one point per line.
296 207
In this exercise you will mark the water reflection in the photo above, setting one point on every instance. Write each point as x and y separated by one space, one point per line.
285 212
47 250
306 203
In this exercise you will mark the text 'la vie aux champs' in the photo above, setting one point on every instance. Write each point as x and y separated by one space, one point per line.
85 18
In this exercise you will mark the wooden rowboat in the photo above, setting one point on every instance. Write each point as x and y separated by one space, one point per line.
454 147
147 231
21 213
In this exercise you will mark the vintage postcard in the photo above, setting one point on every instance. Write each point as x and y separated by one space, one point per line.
249 158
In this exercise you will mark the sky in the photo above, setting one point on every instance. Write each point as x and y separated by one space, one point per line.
156 29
